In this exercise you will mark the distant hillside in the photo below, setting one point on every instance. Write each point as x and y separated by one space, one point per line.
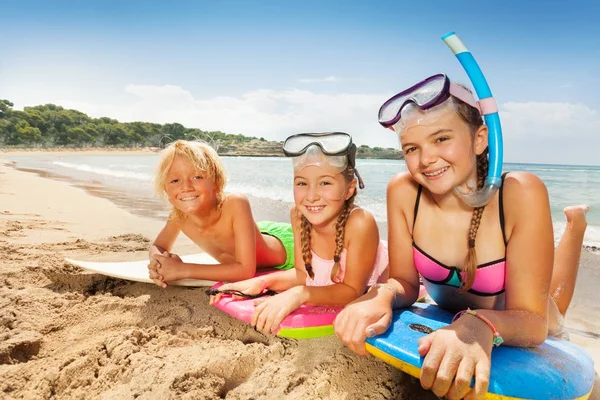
51 126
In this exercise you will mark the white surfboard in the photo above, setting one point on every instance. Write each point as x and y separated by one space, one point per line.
138 270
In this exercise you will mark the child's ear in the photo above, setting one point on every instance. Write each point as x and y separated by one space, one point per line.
351 188
481 139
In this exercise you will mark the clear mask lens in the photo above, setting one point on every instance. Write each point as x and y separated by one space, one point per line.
412 115
331 143
420 96
314 156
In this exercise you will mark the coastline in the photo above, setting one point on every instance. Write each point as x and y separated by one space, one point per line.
100 151
70 334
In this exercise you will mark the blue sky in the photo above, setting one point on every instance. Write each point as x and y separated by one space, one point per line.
274 68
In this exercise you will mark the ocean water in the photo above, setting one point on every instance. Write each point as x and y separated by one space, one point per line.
271 178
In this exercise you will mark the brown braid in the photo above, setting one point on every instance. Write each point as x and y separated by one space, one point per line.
470 264
305 229
473 118
339 235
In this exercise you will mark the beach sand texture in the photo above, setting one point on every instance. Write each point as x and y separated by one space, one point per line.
67 334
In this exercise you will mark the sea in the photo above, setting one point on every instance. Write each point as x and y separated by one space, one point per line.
270 179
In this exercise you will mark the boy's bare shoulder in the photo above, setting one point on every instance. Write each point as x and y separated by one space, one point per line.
235 200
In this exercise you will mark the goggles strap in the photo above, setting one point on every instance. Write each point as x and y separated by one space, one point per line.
488 106
463 94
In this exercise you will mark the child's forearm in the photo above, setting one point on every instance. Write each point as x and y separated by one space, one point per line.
517 328
217 272
283 280
338 294
156 249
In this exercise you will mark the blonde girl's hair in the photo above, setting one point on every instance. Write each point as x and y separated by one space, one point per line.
202 156
473 118
306 228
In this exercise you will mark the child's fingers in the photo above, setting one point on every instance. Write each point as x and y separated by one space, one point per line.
424 344
160 283
260 300
214 299
153 274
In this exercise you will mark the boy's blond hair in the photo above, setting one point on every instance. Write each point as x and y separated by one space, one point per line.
199 154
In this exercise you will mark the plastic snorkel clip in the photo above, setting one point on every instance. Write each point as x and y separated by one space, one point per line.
479 198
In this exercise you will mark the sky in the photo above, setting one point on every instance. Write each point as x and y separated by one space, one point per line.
274 68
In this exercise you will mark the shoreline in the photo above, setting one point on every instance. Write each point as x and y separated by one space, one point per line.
99 151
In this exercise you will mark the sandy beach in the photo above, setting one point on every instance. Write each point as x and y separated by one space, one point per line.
67 334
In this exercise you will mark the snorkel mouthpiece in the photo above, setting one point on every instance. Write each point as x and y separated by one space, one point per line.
480 198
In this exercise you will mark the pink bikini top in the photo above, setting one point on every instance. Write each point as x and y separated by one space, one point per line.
489 278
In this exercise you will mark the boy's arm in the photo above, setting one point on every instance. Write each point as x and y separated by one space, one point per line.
165 239
236 210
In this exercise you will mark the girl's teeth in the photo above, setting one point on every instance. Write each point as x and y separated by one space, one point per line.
437 172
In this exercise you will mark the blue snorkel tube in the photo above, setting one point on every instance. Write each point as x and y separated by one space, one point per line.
489 110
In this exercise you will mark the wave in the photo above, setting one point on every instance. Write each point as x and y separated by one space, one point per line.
139 176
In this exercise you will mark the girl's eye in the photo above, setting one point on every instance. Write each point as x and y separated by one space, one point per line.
325 183
410 150
300 183
198 177
442 139
174 181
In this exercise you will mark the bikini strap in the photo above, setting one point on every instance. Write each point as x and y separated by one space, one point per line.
501 209
417 207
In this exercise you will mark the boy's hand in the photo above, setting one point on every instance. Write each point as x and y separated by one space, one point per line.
165 268
153 270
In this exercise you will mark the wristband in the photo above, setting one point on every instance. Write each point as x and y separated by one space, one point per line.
497 341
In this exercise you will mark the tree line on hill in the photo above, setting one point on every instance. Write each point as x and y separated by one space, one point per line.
51 126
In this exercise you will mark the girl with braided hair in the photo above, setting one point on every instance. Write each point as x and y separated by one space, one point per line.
340 251
495 265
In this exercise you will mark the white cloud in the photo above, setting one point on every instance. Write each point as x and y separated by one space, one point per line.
538 119
168 93
319 80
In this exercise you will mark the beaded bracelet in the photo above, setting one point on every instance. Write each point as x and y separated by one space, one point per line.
497 338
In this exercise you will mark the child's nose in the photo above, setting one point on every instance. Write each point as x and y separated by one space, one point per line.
428 156
313 194
187 184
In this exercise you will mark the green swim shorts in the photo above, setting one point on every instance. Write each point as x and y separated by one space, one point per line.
283 232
